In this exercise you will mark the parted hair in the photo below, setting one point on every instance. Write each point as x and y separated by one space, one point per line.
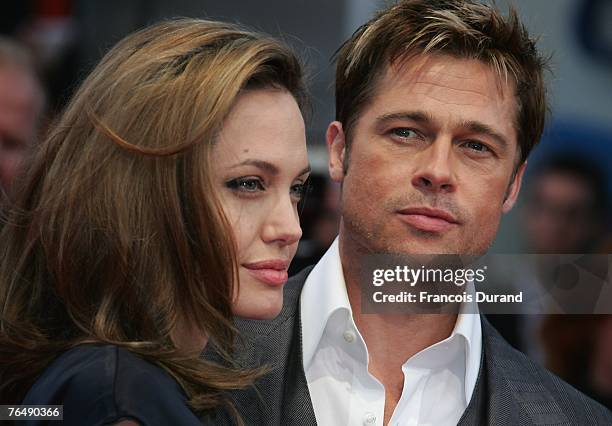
116 234
459 28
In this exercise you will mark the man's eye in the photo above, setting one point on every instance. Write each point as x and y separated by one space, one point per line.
245 184
477 146
404 132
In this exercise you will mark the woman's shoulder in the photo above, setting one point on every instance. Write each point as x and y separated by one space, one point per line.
101 384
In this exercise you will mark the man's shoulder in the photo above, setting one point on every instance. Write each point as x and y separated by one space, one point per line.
540 395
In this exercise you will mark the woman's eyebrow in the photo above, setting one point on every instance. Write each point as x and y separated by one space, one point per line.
260 164
266 166
306 169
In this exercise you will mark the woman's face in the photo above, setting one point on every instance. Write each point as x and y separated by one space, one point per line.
260 167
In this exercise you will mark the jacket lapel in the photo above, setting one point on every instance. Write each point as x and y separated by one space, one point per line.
507 390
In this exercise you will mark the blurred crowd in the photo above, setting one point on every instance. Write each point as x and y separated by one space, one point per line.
565 208
37 70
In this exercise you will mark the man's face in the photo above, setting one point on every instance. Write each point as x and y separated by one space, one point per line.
431 159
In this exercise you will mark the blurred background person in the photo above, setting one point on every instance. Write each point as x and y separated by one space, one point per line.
566 210
48 29
21 107
566 206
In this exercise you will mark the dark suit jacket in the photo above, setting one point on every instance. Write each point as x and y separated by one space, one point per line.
510 389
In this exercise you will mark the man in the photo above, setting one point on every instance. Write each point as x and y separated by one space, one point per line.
438 104
21 104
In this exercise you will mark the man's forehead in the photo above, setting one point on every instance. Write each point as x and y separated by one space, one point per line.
447 71
445 78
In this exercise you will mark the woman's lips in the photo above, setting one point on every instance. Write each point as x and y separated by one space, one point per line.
272 272
429 220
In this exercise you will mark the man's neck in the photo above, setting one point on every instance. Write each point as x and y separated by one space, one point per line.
391 339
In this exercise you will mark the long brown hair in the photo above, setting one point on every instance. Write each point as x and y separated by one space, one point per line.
116 235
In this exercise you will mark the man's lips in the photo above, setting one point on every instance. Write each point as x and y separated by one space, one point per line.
427 219
272 272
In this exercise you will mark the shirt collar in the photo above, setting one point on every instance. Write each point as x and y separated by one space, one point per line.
468 326
324 293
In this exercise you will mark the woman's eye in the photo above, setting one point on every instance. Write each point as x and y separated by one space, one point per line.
245 184
298 191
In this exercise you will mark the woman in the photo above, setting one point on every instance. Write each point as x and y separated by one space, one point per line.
173 175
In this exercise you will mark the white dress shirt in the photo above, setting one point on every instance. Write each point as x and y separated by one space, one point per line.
438 381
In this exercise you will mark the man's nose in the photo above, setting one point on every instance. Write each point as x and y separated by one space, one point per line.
434 172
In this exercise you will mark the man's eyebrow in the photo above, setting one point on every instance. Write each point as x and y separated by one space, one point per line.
417 116
485 129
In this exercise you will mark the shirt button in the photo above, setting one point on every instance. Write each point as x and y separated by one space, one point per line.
349 336
369 419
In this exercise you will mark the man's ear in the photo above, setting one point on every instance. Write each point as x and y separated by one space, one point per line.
336 150
514 188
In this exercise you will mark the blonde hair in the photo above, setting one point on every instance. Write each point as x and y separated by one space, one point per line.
117 234
460 28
